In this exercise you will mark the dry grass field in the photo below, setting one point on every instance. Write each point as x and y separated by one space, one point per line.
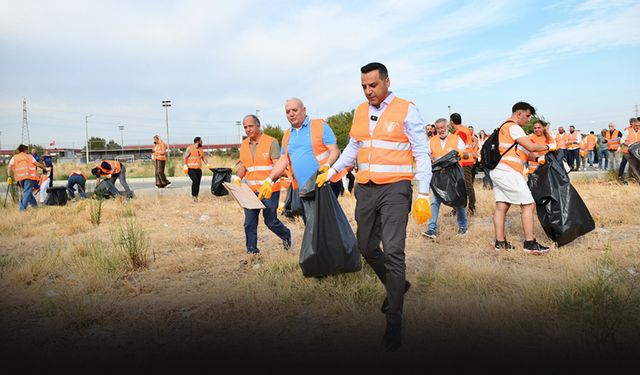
163 275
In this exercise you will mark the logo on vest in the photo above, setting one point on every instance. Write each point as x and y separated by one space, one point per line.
265 155
391 126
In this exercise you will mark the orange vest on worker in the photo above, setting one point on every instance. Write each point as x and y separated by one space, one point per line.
384 157
591 142
561 140
114 167
194 160
539 140
613 145
467 141
572 137
159 151
24 167
320 150
437 151
512 158
260 165
632 137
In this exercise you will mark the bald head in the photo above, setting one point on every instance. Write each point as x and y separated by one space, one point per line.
295 111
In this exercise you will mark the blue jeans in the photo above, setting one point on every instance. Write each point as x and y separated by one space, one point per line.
80 182
603 157
27 194
270 215
461 215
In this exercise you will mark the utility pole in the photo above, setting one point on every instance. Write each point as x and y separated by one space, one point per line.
239 125
121 127
449 109
637 110
166 104
86 129
257 111
25 126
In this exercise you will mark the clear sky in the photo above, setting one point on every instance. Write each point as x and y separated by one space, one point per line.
576 61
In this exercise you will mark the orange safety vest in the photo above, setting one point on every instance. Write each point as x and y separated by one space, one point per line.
633 137
583 147
613 145
591 141
437 151
572 137
24 167
260 165
194 160
115 167
512 158
561 140
464 130
320 150
384 157
159 151
539 140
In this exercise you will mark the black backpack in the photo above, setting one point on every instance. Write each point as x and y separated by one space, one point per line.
490 152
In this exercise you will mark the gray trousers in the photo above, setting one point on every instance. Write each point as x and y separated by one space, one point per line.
122 177
382 213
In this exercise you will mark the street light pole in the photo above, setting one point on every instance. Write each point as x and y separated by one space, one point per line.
449 109
86 129
166 104
121 127
239 125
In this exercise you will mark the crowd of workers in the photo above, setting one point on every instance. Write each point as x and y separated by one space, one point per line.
389 147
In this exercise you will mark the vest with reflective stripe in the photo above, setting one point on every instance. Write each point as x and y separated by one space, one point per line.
159 151
464 130
115 167
320 150
260 165
539 140
561 140
23 167
633 137
572 137
613 145
195 157
513 158
437 151
384 157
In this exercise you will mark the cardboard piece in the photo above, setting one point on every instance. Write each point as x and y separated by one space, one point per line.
243 194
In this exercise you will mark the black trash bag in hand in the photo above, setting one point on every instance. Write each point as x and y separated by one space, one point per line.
634 150
561 211
56 196
220 175
447 181
292 204
329 245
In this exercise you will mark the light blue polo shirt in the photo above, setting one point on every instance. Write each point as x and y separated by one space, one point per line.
303 161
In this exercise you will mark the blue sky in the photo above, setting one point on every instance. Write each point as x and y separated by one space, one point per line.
577 62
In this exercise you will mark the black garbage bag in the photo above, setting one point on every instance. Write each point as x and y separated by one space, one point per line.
447 181
561 211
634 150
329 245
220 175
293 203
56 196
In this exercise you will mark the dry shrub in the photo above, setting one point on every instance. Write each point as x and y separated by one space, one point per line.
133 242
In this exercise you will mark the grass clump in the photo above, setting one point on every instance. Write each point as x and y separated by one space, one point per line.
133 242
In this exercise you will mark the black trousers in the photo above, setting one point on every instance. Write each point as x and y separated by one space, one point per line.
195 174
161 179
382 213
468 184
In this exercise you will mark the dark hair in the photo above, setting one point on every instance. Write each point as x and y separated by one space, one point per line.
633 119
456 118
96 171
542 122
572 126
524 107
23 148
591 132
382 70
196 139
254 117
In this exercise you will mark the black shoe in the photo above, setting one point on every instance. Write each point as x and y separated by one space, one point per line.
392 339
385 304
472 211
504 245
167 184
533 247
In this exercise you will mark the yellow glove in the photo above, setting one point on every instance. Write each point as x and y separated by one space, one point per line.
422 209
542 160
347 193
10 181
463 155
280 207
235 180
185 169
266 190
325 173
